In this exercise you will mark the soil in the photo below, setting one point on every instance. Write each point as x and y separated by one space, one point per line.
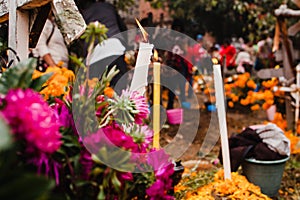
192 141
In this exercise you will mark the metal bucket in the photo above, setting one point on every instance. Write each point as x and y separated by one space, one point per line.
265 174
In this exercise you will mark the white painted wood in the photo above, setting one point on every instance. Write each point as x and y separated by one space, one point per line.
18 31
21 4
71 22
284 11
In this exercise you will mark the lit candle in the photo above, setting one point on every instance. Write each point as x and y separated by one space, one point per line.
139 79
156 101
222 120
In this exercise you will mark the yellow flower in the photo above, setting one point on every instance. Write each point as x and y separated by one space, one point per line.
236 188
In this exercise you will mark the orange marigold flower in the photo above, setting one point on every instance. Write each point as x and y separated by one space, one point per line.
265 106
230 104
109 92
255 107
244 102
251 84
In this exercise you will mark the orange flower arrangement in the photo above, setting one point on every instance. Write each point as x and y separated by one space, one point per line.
57 84
242 89
236 188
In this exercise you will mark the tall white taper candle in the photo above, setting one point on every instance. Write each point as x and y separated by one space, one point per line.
139 80
219 91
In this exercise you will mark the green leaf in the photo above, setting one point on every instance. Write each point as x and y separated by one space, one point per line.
5 135
37 84
116 183
19 76
101 194
26 187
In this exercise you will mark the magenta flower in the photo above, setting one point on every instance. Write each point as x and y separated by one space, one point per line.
158 159
86 163
111 135
124 176
32 119
157 191
62 113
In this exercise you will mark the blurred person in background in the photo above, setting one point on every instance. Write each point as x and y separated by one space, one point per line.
112 51
228 54
51 47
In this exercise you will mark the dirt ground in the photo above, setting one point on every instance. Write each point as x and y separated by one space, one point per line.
201 140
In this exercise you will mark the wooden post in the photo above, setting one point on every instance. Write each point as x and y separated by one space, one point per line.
18 30
18 13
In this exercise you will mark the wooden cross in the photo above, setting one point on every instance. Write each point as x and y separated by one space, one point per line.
283 32
26 19
294 89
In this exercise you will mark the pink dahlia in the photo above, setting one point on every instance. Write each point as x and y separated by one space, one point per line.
32 119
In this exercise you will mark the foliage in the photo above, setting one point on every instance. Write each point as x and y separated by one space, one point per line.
251 19
22 77
290 187
77 141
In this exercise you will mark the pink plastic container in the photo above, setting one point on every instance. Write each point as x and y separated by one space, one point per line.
175 116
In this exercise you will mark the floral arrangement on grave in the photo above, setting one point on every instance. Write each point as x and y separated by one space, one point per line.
244 90
77 141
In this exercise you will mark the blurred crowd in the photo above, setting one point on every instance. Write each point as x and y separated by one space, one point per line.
187 60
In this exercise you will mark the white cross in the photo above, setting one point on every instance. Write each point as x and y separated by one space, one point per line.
294 89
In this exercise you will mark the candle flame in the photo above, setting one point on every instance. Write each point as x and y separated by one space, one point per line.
145 34
155 55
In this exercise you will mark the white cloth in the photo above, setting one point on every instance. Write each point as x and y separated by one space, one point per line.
274 137
56 46
109 47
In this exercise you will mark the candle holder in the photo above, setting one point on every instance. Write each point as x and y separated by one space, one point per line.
177 175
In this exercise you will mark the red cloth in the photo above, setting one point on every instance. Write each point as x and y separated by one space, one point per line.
228 52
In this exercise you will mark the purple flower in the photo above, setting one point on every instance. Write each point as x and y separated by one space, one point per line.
32 119
45 165
86 163
62 113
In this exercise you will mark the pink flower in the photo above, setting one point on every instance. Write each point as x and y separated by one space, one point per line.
62 113
111 135
125 176
32 119
157 191
140 105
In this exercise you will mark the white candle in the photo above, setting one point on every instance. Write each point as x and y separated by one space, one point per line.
219 91
139 79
